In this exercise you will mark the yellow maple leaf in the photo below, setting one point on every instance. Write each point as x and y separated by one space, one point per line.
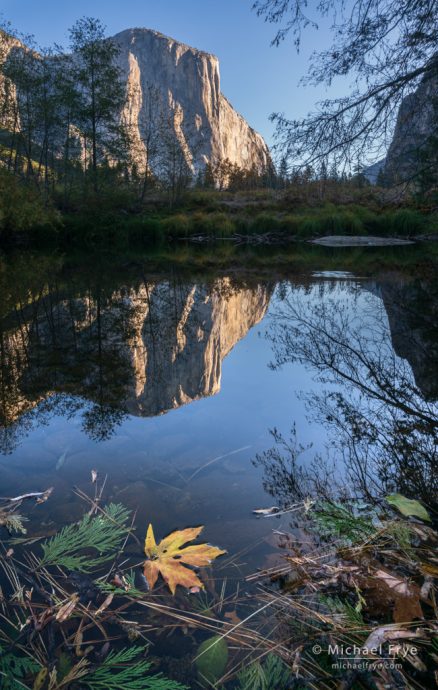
169 555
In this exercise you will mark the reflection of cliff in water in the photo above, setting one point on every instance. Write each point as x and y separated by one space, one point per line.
365 343
144 350
412 310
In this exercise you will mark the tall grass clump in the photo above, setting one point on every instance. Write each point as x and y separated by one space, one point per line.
178 224
406 221
215 224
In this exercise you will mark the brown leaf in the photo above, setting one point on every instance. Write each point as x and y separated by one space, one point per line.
67 609
167 558
429 569
406 596
45 495
105 604
232 617
389 632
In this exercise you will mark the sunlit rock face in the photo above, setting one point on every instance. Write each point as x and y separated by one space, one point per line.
145 350
194 115
188 81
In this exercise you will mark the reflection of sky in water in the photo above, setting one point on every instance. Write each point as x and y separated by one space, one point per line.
193 464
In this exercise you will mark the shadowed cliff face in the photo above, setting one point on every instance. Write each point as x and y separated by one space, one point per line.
142 350
416 125
412 311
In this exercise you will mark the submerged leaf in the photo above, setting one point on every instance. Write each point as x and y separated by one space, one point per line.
408 506
168 556
212 658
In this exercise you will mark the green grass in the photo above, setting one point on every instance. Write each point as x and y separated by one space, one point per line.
120 222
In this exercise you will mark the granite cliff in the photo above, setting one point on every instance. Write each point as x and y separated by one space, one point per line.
187 84
416 123
188 81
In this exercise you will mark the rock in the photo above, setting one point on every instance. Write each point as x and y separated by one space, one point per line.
359 241
416 122
187 83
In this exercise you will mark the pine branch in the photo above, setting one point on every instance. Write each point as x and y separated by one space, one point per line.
14 670
114 674
102 534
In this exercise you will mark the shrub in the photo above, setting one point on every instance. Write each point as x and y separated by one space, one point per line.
265 222
22 208
178 224
407 221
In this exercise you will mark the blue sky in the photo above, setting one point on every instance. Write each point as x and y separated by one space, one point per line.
257 78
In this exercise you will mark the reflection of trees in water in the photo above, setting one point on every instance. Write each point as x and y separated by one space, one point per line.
57 345
384 434
106 345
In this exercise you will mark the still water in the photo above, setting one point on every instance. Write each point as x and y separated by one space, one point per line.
199 398
171 386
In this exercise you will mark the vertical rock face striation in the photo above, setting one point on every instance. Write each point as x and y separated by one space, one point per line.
191 108
188 81
416 124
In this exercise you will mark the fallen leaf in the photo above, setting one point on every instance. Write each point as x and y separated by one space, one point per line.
40 679
232 617
61 461
429 569
45 495
266 511
67 609
405 596
105 604
212 659
121 582
94 476
401 587
168 556
408 507
389 632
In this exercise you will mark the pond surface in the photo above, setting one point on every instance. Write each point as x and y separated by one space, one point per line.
171 385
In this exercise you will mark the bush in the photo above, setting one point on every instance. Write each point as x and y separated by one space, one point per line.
265 222
22 208
178 224
214 224
407 221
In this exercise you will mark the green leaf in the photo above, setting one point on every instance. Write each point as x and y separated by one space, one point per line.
408 506
212 658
